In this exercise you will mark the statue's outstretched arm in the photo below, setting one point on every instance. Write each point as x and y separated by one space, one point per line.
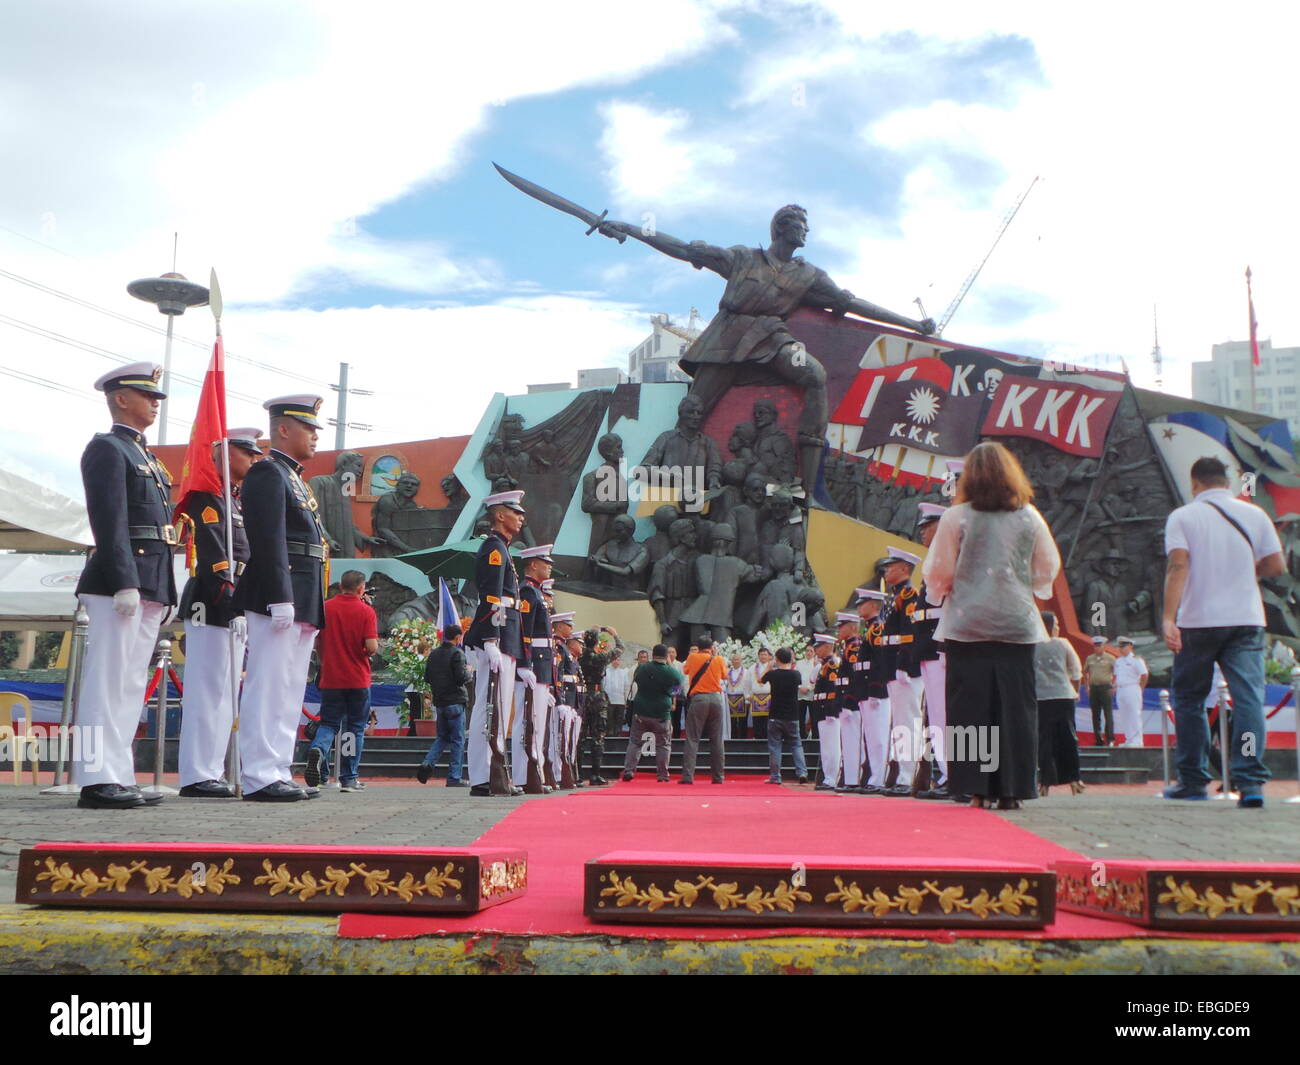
698 253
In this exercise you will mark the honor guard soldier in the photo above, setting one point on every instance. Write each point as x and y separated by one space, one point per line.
825 709
282 594
494 642
851 651
933 663
533 698
214 632
905 684
565 674
592 663
871 676
127 586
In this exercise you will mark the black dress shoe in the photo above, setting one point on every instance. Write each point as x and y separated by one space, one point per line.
962 799
898 791
312 773
870 789
109 797
151 798
597 781
208 789
516 790
456 784
933 793
627 777
823 786
481 791
277 792
424 773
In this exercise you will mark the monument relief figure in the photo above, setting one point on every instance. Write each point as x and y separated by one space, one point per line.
772 448
672 584
334 493
764 287
455 492
620 561
687 448
718 575
402 497
603 495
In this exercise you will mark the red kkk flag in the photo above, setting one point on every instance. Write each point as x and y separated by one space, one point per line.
200 473
1254 326
912 404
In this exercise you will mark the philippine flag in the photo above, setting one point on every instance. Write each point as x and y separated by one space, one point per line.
1185 436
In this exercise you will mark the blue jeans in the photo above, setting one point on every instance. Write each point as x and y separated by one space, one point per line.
780 736
1239 650
451 733
343 711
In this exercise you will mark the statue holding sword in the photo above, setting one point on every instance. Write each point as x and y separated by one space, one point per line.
764 287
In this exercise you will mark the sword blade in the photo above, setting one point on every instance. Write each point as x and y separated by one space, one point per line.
548 197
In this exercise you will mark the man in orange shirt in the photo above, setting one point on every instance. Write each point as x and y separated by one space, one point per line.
704 709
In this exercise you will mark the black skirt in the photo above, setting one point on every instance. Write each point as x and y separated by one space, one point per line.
992 744
1058 745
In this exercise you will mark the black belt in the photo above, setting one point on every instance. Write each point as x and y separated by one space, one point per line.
310 550
165 533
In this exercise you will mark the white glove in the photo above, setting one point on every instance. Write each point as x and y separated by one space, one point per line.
494 655
281 616
239 626
550 698
526 675
127 602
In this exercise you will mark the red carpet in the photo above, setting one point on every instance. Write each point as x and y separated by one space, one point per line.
743 815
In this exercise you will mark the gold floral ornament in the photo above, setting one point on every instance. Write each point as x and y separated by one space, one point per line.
1286 900
1010 900
686 893
335 881
157 879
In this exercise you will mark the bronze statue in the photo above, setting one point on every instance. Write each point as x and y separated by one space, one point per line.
672 584
718 576
402 497
334 493
773 451
455 492
603 491
687 447
620 561
764 287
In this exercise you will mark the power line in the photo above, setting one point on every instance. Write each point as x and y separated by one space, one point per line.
70 390
103 353
86 304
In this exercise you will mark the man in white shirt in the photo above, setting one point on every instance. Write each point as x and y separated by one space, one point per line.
616 682
1130 680
1218 548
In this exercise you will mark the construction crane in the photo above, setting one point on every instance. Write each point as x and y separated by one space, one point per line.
970 278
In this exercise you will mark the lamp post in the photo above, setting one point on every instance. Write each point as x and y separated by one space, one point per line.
173 295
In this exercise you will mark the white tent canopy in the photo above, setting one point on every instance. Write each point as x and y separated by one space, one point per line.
39 591
36 518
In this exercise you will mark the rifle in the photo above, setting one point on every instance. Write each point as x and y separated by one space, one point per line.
498 778
534 784
548 751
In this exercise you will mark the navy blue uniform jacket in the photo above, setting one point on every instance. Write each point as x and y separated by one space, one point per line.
213 577
279 511
497 583
126 488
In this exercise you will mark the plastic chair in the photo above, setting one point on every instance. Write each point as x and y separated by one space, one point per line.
26 744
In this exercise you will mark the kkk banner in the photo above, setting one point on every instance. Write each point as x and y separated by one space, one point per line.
1071 417
913 405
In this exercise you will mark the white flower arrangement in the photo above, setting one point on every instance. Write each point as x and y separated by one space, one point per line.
777 635
401 655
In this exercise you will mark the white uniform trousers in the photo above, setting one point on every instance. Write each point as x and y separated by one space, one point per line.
207 714
114 676
480 754
906 737
1128 714
934 678
828 738
518 753
557 731
851 745
875 738
271 706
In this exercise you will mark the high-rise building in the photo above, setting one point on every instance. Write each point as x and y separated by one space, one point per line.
654 360
1225 380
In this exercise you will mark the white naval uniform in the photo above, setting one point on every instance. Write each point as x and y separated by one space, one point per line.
271 706
850 736
875 739
934 679
905 714
1129 670
518 752
480 753
115 674
207 711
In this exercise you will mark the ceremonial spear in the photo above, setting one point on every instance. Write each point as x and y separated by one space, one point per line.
232 750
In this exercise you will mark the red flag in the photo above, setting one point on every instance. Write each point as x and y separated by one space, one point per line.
200 473
1254 327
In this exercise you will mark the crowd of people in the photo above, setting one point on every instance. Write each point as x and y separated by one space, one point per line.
960 688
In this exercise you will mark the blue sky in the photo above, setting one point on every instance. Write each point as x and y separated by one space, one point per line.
333 162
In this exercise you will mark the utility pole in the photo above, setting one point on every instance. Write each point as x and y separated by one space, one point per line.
1156 357
341 421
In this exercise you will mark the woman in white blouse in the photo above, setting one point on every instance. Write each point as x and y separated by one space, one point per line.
991 555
